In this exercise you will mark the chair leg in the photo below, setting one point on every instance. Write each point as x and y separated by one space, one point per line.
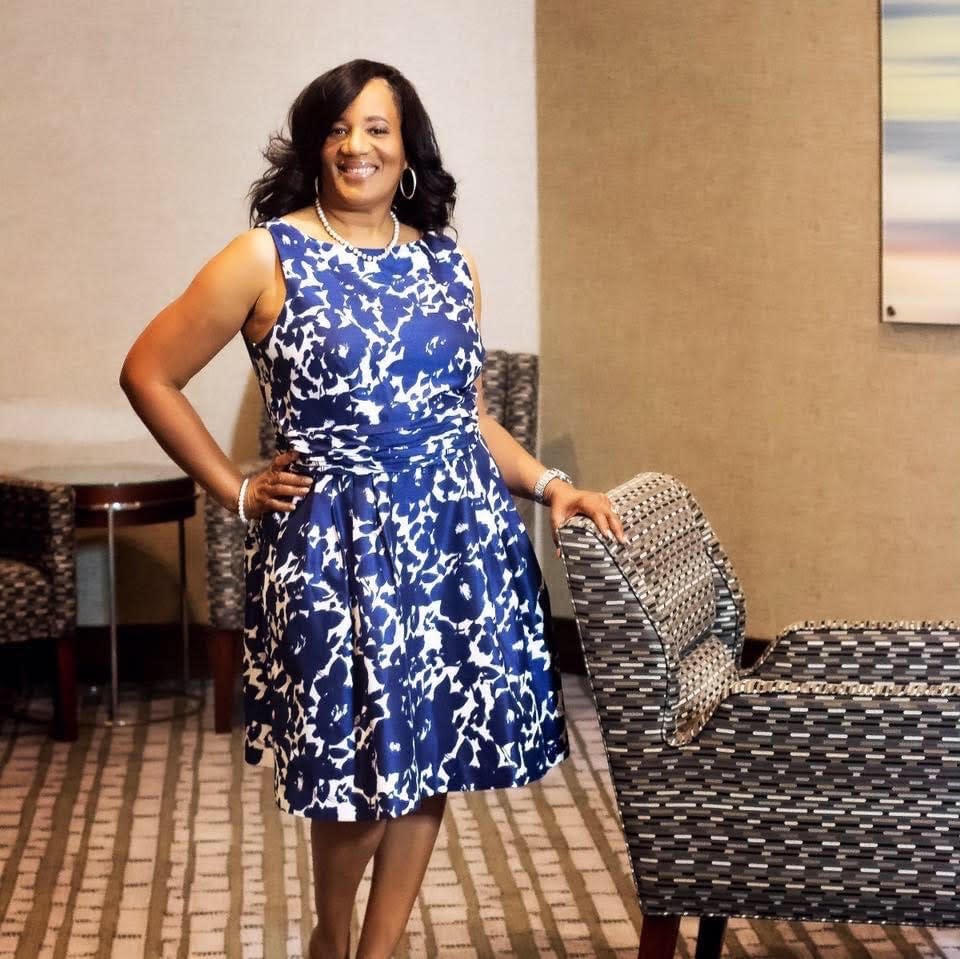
222 650
65 689
658 937
710 937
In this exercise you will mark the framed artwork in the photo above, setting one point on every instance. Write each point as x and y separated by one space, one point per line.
920 97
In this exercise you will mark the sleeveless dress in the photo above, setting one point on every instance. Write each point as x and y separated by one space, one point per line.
396 640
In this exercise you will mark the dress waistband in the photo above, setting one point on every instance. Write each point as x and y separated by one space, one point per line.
383 447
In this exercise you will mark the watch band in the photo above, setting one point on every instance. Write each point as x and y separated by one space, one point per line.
545 478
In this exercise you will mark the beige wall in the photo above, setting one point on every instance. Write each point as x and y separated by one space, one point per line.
131 134
708 237
709 175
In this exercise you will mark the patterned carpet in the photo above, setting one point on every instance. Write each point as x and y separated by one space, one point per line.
148 841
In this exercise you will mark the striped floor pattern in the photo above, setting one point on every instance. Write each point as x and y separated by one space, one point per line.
149 841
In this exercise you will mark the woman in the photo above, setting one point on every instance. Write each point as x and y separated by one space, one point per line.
396 643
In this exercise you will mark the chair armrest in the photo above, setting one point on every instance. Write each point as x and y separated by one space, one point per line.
623 653
864 652
225 533
37 523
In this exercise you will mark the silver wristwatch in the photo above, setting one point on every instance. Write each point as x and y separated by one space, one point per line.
545 478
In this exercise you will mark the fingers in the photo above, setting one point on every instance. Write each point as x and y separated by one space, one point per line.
606 519
290 484
283 484
599 508
609 525
280 505
263 503
615 527
275 488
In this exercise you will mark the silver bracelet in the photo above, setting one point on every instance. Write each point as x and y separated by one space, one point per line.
240 498
545 478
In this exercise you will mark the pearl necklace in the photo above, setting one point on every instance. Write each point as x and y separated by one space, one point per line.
375 257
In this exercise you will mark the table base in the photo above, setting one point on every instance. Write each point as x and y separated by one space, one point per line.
112 600
119 713
20 712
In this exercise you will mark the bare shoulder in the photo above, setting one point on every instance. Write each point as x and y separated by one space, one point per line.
246 259
247 264
256 248
187 333
232 282
257 253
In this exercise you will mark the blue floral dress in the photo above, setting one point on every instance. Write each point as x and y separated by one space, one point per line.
396 642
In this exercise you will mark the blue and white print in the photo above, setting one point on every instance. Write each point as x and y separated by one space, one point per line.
396 642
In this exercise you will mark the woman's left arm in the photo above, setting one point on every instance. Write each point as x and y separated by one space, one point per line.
521 471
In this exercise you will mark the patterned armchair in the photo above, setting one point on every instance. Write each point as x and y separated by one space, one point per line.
510 389
822 783
38 593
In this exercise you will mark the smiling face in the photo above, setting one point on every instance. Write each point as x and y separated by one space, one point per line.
363 156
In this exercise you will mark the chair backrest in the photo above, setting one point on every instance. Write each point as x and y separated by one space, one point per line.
510 392
37 524
673 568
512 381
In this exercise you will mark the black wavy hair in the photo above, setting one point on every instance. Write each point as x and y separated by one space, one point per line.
295 159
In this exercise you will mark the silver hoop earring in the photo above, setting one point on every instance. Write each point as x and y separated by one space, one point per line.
316 186
413 189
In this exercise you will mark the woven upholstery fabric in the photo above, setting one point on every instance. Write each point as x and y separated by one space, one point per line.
784 809
704 678
672 572
25 595
495 384
510 384
669 567
520 412
787 803
730 622
37 549
867 652
224 532
519 379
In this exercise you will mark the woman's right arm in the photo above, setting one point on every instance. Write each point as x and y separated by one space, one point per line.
179 341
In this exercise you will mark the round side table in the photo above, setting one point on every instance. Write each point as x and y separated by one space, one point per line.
128 494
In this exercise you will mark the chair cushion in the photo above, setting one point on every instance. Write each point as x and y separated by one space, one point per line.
25 597
706 675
